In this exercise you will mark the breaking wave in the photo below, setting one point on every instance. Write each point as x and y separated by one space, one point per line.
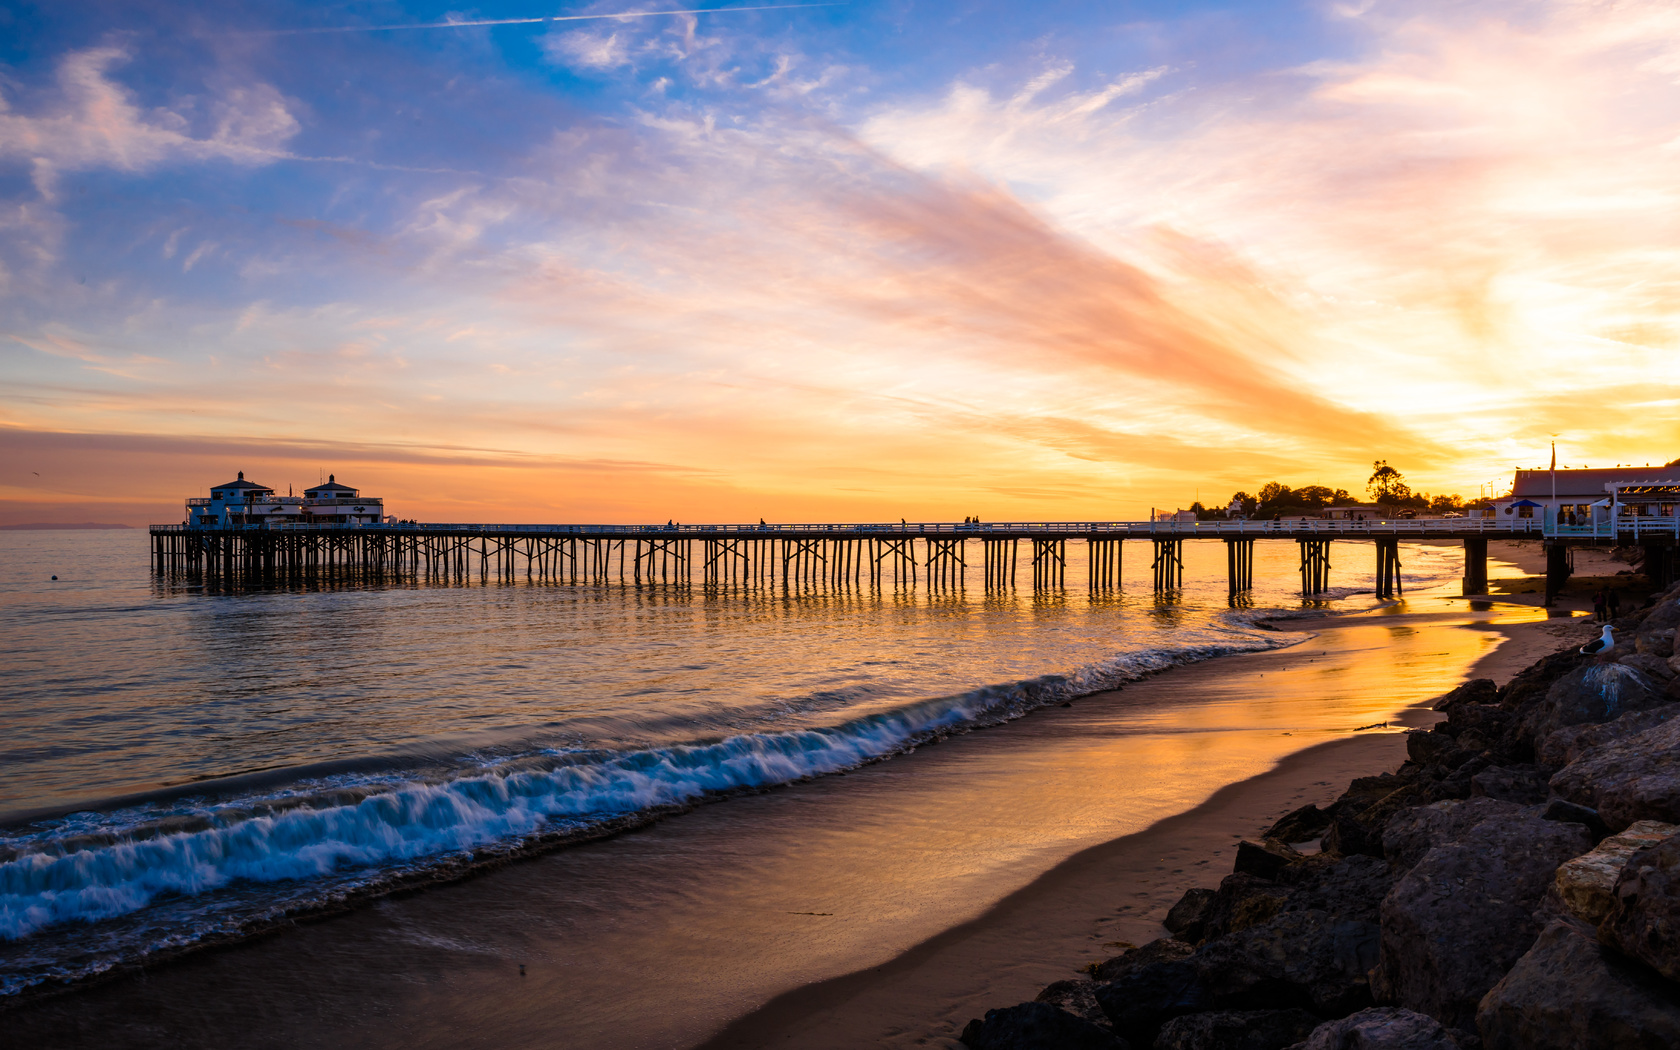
116 886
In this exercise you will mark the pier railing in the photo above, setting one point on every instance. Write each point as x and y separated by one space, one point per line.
1311 528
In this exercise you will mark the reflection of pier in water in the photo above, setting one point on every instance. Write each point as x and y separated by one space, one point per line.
807 556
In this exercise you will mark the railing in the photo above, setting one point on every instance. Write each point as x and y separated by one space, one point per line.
1422 527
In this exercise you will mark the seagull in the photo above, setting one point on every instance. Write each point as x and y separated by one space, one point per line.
1602 644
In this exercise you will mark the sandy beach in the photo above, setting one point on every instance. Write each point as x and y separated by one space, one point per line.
885 907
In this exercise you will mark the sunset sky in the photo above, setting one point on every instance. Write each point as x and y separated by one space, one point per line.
861 261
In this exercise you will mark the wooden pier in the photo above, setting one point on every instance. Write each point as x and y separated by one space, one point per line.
934 554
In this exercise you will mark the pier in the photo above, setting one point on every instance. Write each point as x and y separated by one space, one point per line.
936 554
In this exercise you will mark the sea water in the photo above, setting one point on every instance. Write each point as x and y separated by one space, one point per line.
182 765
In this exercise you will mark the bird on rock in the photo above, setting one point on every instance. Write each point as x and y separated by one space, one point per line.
1602 644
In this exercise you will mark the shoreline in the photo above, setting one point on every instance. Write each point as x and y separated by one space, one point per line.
472 981
882 1006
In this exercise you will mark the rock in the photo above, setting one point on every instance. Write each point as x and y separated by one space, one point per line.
1522 786
1078 997
1359 829
1632 778
1414 832
1487 720
1664 616
1531 683
1571 742
1265 862
1570 813
1644 921
1465 912
1381 1028
1598 692
1475 691
1188 917
1037 1026
1236 1030
1568 992
1315 953
1308 959
1303 825
1140 1002
1457 785
1164 949
1654 666
1587 884
1428 747
1658 643
1240 902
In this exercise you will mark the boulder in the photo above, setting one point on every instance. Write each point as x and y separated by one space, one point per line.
1465 912
1571 742
1414 832
1475 691
1140 1002
1587 884
1358 826
1429 747
1524 786
1240 902
1631 778
1658 643
1164 949
1315 953
1186 919
1263 861
1380 1028
1570 813
1664 616
1303 825
1597 692
1037 1026
1654 666
1078 997
1644 921
1307 959
1236 1030
1568 992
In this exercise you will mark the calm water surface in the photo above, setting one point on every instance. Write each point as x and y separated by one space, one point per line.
181 764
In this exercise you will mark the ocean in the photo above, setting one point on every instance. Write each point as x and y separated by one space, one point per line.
183 766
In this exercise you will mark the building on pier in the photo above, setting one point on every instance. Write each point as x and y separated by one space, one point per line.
1583 496
335 504
241 503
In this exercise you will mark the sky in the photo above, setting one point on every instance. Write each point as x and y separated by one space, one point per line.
841 262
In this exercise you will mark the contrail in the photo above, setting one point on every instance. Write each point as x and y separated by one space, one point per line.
544 18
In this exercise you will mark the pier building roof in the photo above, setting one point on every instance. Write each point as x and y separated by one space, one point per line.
1537 484
240 486
332 486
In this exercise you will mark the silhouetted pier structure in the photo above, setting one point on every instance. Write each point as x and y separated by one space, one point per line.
846 555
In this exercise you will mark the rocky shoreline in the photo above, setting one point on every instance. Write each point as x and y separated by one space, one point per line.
1514 884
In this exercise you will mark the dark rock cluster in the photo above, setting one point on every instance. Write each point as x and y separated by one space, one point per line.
1514 884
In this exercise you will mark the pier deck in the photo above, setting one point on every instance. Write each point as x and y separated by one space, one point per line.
809 554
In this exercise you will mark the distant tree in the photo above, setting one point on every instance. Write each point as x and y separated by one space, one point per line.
1446 504
1273 494
1387 485
1672 463
1314 496
1245 503
1343 498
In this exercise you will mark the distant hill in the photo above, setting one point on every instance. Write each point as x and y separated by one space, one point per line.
42 526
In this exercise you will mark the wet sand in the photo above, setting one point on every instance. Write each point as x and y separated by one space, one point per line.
885 907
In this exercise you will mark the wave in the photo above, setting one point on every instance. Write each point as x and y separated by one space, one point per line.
202 867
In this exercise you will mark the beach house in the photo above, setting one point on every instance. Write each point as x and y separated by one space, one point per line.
333 503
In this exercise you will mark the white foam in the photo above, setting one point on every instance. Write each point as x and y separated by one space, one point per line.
393 825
